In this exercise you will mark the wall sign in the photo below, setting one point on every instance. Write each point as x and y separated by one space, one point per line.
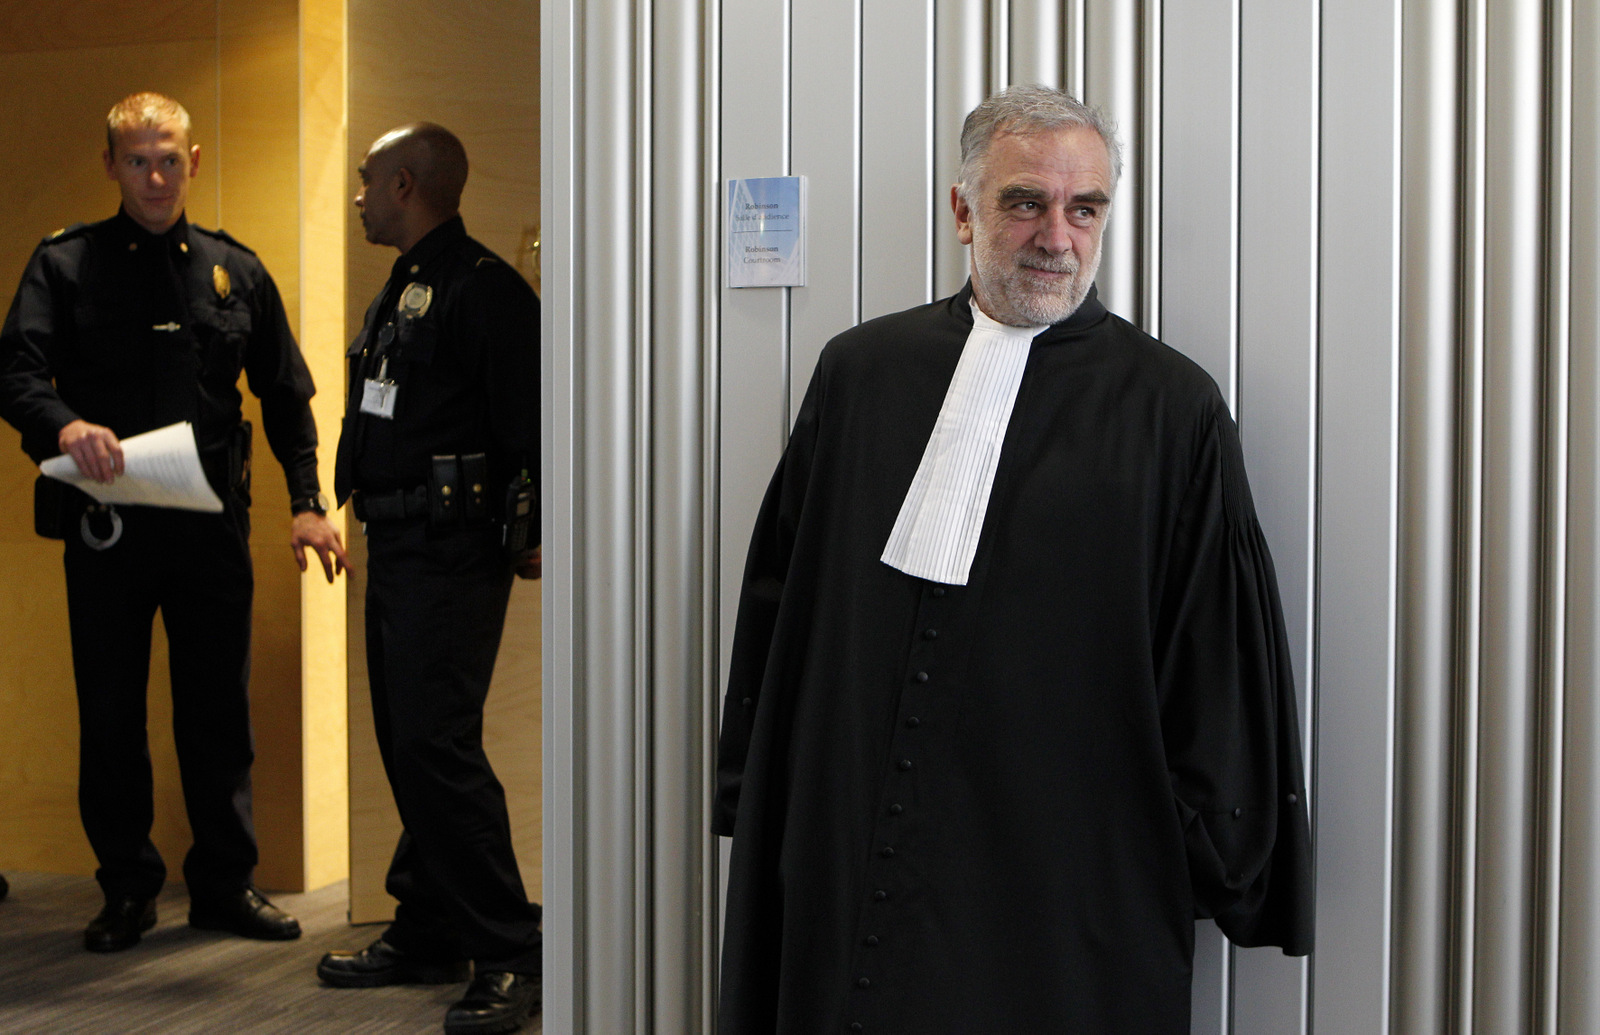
767 232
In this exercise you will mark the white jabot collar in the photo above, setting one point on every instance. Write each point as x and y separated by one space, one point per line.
936 535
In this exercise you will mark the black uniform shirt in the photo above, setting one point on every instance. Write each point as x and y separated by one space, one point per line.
135 331
466 369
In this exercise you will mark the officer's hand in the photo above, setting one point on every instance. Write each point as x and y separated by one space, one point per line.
527 564
316 531
93 448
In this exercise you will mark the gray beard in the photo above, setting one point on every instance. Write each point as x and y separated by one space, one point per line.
1013 302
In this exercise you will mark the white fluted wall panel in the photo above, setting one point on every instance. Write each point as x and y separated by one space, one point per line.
1359 283
630 534
1374 221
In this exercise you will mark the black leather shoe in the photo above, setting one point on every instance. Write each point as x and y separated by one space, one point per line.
382 964
246 914
4 887
120 924
497 1001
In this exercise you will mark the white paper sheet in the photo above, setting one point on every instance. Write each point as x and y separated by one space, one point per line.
161 468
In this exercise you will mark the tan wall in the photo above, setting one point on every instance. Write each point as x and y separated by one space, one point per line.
235 65
322 304
475 69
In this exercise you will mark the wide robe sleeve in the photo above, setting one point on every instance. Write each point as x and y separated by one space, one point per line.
1228 713
761 596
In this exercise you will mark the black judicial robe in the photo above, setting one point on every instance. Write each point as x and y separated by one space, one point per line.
999 807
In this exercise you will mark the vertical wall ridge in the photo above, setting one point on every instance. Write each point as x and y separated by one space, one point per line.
1578 964
1427 713
1556 309
1469 537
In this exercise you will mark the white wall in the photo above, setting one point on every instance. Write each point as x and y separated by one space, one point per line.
1371 220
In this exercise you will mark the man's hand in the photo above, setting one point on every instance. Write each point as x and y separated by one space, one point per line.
93 448
527 564
316 531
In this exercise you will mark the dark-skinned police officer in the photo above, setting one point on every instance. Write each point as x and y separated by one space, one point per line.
121 327
439 455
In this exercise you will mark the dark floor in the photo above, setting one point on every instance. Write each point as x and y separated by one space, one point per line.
178 980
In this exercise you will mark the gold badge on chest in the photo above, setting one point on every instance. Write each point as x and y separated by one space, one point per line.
415 300
222 282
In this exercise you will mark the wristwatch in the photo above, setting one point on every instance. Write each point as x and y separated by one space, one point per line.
318 504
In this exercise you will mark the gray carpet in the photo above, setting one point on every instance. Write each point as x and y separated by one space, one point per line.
179 980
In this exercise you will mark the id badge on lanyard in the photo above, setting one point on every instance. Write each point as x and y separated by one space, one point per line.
379 393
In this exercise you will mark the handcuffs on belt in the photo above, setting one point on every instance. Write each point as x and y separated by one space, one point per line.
88 532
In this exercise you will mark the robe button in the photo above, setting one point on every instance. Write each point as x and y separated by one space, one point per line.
748 702
938 591
913 722
905 765
930 634
1237 813
895 810
880 895
862 982
856 1026
921 677
887 853
872 941
1293 798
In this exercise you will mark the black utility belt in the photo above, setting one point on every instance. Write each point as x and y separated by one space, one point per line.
456 496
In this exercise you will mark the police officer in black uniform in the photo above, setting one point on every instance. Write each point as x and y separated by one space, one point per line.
439 455
121 327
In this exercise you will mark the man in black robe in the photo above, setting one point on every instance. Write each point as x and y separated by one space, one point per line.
1011 701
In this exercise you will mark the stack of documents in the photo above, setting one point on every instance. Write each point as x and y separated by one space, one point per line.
161 468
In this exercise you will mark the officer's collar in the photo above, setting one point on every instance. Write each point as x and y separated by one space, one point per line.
426 250
129 230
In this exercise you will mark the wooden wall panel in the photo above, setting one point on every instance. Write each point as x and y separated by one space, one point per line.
254 164
87 24
66 63
323 658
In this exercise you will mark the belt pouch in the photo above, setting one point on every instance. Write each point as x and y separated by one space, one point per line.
239 458
444 491
521 514
49 507
475 498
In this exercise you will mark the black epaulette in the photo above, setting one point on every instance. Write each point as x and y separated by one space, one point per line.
223 235
66 233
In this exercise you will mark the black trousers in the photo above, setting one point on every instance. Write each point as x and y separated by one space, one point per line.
436 604
195 569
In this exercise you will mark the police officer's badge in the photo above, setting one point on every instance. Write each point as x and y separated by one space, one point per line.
221 282
415 300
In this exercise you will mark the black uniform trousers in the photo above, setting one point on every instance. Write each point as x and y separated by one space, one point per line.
195 569
436 604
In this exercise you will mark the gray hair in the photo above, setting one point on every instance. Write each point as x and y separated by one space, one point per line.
1028 109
